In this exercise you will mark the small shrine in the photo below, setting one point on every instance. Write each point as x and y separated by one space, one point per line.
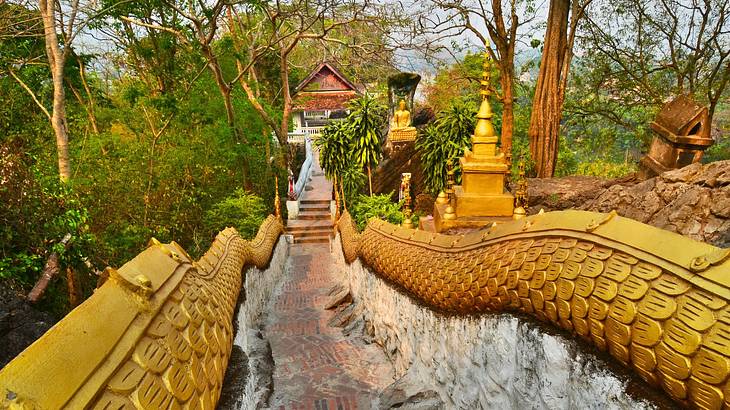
481 199
681 136
401 89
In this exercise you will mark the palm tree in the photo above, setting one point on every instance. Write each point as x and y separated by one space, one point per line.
365 125
335 152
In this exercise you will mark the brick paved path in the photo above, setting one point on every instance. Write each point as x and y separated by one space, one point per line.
317 367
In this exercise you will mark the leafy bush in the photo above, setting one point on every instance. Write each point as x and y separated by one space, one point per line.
718 152
334 148
376 206
446 139
37 213
604 169
353 180
242 210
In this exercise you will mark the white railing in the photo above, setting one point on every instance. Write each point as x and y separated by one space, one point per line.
306 168
298 136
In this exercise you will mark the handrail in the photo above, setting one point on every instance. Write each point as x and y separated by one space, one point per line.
306 170
157 334
655 300
300 135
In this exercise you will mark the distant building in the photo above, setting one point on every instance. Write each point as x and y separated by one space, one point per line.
322 97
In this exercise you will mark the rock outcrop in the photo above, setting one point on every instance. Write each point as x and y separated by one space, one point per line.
693 201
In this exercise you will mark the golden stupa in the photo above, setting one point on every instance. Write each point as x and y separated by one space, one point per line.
481 199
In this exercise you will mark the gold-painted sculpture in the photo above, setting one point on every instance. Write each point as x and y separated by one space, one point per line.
401 117
655 300
406 187
400 126
158 334
277 201
521 198
481 199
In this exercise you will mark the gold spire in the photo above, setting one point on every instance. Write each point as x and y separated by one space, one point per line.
486 73
277 202
484 131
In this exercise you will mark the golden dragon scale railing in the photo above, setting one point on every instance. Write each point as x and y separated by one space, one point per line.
657 301
158 334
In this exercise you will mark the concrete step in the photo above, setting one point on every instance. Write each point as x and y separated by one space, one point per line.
314 202
314 207
306 234
313 239
300 226
299 231
315 215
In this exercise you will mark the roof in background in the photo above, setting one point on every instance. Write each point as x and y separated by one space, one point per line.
321 72
323 100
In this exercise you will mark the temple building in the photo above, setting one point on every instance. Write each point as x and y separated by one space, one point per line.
322 97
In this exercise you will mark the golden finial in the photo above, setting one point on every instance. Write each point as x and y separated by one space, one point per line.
450 179
337 202
484 131
277 202
406 185
486 72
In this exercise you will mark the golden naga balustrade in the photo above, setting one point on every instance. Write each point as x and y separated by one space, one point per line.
158 334
656 301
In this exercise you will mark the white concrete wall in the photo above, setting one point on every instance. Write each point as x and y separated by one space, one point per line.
493 361
259 286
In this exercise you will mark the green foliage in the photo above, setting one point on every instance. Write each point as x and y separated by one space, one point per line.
719 151
346 146
353 180
365 124
127 185
606 169
39 211
242 210
444 139
376 206
601 134
457 82
335 153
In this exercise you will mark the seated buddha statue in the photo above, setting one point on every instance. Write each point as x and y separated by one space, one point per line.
400 125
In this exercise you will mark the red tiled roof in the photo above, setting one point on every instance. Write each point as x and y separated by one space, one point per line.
311 101
327 76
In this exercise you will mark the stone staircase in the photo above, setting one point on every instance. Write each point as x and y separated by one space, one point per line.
314 223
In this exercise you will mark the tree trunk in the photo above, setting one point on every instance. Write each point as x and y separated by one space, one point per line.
58 121
286 109
56 61
223 86
547 104
370 180
508 116
49 271
73 288
90 106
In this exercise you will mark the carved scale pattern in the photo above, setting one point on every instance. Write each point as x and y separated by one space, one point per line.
178 357
673 333
180 361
